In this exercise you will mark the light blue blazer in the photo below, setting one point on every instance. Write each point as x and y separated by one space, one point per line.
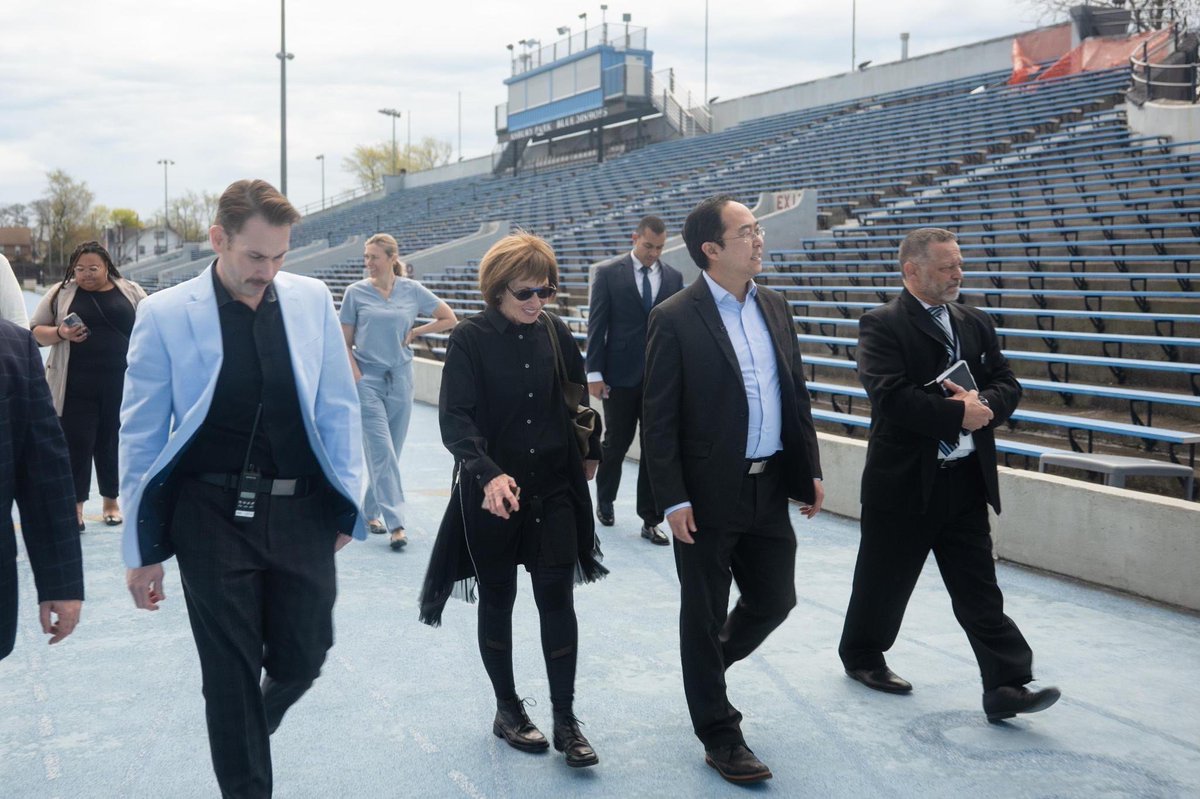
175 356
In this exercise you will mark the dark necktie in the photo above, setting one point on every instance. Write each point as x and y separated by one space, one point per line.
938 312
647 292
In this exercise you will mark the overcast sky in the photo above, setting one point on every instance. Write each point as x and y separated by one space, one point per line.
104 90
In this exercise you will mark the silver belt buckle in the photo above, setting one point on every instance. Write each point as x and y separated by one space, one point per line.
283 488
757 467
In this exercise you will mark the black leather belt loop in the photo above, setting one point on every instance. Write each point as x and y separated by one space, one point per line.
296 487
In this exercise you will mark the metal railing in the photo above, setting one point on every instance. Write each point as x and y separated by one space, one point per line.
686 112
1183 77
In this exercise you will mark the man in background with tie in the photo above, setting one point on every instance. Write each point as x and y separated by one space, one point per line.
622 295
930 475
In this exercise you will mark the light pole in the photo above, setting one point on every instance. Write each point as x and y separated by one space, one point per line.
566 30
166 162
284 56
706 49
394 114
321 158
603 23
853 31
583 17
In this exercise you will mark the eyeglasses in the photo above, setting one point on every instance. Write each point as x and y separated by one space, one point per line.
86 270
543 293
758 232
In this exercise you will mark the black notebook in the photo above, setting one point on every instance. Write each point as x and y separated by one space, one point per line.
959 373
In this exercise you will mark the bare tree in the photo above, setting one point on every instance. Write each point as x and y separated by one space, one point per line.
1147 14
64 213
15 215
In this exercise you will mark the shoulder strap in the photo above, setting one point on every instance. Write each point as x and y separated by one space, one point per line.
559 367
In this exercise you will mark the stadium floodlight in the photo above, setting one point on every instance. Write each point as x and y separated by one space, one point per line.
394 114
583 17
166 162
565 30
321 158
626 18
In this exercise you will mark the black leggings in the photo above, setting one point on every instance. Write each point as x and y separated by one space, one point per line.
91 421
553 591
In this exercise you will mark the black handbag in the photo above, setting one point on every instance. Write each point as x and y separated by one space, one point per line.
583 418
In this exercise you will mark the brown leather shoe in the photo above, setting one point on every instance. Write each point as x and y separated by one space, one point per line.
569 740
514 726
737 764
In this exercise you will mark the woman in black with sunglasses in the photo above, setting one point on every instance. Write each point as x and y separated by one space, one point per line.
86 320
520 493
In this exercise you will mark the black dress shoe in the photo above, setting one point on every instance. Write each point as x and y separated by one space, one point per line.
881 679
737 764
654 535
398 539
570 741
1006 701
514 726
604 512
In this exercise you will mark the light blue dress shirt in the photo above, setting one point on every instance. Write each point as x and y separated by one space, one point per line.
751 340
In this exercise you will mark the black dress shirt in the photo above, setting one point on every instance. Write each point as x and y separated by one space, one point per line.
256 370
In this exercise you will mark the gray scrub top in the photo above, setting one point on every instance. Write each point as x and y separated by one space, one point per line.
380 325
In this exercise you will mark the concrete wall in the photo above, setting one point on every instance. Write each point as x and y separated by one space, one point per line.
1176 120
470 167
1139 543
458 251
959 62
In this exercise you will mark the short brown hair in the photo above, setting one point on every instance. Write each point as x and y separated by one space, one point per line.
916 244
652 223
391 249
245 199
519 256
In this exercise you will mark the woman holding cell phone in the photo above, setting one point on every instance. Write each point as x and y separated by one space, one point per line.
520 493
86 319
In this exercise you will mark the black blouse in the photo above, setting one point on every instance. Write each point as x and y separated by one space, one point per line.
109 319
501 409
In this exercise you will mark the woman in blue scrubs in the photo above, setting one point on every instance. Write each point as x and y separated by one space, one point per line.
378 316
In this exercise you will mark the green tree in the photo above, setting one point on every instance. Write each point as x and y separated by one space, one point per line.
126 225
370 162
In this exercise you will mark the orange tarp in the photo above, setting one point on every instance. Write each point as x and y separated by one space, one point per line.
1105 53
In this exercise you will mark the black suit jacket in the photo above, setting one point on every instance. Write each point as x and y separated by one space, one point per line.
695 411
900 349
616 340
35 471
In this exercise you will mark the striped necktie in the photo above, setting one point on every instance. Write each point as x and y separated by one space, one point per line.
938 312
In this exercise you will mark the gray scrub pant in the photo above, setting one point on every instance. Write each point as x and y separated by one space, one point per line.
386 400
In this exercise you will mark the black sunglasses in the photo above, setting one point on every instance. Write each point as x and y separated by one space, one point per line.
543 293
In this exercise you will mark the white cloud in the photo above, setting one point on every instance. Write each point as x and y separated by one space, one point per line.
104 90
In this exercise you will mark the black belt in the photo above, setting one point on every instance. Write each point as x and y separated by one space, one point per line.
294 487
756 466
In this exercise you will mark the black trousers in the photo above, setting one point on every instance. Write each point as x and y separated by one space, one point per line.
260 596
622 412
760 554
91 421
891 554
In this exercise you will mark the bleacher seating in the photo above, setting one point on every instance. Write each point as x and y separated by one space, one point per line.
1079 239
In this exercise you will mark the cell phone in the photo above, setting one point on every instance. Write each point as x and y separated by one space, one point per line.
72 320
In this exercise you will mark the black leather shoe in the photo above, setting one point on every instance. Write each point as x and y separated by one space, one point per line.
1006 701
398 539
604 512
654 535
737 764
514 726
881 679
570 741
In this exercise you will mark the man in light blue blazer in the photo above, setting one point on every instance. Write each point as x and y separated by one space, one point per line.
241 454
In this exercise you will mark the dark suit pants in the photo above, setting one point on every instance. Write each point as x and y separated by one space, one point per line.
260 596
759 552
622 412
893 550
